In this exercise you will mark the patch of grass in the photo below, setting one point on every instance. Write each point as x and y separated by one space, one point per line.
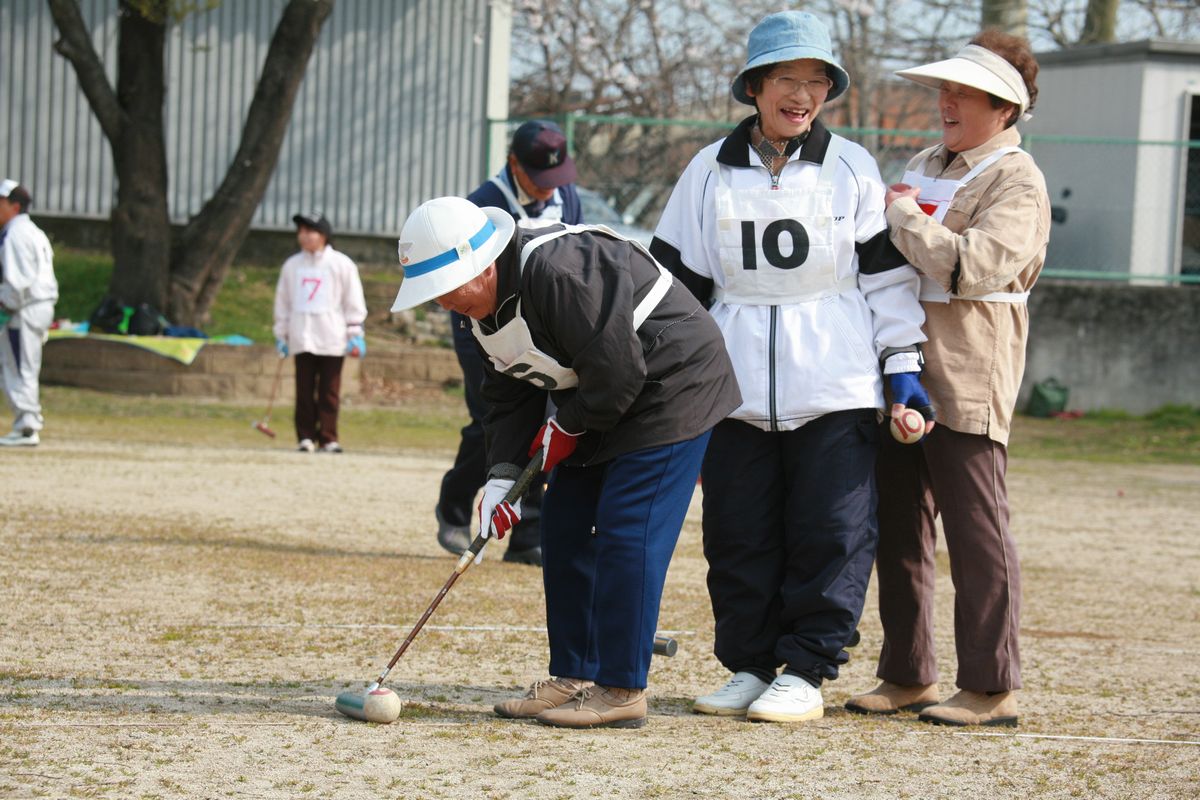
88 414
178 635
82 282
244 306
1170 434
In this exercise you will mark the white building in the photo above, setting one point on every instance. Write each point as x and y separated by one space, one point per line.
1131 191
393 109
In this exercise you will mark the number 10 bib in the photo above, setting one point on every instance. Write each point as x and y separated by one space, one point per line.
776 246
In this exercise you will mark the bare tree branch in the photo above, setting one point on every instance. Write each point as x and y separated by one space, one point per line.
75 45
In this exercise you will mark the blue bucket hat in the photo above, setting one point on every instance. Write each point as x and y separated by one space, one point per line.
787 36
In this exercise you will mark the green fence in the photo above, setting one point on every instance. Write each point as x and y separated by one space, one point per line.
1123 209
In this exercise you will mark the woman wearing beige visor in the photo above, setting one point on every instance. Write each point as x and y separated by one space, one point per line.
973 217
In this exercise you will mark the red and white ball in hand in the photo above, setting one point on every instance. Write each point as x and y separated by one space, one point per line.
908 426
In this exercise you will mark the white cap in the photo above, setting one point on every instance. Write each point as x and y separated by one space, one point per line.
7 186
446 243
977 67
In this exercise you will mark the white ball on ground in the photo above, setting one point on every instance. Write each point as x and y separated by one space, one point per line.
382 706
908 426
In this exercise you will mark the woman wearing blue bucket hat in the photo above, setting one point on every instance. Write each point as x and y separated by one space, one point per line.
780 226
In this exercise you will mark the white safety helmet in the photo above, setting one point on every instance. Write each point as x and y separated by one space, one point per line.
446 243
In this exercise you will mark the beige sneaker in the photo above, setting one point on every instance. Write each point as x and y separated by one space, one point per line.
542 696
974 708
599 707
889 698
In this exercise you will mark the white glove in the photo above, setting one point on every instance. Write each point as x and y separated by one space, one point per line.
495 515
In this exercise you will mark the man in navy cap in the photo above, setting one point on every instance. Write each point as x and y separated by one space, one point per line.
537 185
537 188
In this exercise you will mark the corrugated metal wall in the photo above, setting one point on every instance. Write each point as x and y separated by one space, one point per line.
392 110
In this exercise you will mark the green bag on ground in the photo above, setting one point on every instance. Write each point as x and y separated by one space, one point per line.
1048 397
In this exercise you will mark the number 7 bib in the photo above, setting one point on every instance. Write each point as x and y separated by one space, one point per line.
311 291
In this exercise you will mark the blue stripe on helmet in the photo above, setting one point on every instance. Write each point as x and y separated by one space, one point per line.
450 256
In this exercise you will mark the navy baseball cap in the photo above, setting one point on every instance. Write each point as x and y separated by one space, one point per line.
315 220
541 148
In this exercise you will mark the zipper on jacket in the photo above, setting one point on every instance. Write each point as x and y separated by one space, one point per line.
771 370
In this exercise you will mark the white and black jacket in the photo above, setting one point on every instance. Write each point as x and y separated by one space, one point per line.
669 381
798 360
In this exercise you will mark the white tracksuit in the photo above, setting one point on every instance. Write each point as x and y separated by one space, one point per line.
804 338
29 292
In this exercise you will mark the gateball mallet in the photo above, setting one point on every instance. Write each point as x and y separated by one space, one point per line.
264 425
665 646
377 704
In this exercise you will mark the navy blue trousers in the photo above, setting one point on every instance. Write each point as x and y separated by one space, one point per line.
608 532
790 535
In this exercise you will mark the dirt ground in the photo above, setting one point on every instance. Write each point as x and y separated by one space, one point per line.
175 621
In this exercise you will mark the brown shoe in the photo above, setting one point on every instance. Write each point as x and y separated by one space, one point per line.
888 698
542 696
974 708
599 707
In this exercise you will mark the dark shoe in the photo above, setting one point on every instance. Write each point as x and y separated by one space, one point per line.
453 538
599 707
974 708
542 696
531 556
890 698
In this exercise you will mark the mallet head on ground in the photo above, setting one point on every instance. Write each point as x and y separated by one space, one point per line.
374 705
261 427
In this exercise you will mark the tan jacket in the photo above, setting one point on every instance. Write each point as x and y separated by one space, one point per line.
993 239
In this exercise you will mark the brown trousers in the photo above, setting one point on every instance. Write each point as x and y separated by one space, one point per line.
960 476
318 396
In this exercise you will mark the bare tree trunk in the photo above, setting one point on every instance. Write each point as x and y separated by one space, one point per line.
204 250
132 121
184 276
141 222
1100 22
1006 15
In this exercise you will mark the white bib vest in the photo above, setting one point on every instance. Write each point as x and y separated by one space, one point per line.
311 291
552 213
934 199
511 349
776 245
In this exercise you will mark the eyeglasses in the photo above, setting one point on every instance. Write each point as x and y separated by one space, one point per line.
789 84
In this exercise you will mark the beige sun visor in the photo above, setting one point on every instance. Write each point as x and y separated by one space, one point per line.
977 67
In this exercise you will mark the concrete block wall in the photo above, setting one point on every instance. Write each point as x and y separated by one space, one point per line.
228 372
1133 348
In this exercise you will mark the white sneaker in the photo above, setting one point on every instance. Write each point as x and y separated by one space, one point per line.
306 446
331 447
732 698
787 699
19 439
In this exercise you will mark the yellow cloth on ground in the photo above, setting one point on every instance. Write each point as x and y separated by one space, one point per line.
183 350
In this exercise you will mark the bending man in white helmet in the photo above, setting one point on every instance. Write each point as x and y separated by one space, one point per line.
639 374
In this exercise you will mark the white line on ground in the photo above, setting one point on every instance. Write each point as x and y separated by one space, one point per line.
192 723
389 626
1102 739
